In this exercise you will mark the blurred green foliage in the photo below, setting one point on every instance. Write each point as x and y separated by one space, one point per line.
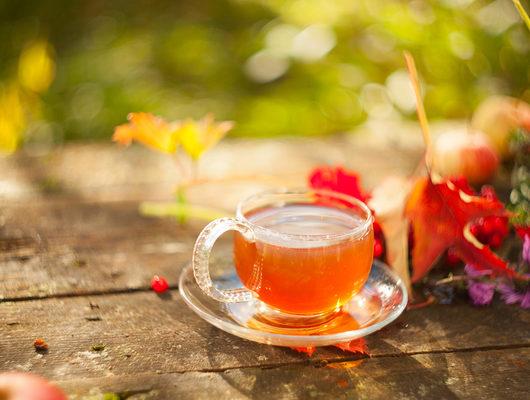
295 67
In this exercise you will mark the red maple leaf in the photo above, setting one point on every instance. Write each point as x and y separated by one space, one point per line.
440 214
340 180
337 179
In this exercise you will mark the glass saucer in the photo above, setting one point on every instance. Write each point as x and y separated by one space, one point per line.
382 299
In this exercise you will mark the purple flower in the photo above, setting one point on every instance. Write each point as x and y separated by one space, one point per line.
525 302
508 293
511 296
526 248
473 272
481 294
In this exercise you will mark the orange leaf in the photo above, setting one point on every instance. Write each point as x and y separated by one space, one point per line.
440 214
307 350
354 346
149 130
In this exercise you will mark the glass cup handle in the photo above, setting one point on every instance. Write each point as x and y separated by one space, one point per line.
201 256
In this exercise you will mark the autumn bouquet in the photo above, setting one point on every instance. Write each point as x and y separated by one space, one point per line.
442 223
439 220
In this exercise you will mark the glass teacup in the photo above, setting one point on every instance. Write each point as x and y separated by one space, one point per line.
302 254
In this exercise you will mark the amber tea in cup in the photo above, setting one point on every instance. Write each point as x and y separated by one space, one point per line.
303 254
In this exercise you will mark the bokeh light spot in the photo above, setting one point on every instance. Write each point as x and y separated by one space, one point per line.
375 100
266 66
313 43
400 91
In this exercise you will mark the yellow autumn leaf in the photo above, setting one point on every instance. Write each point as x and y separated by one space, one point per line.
36 67
149 130
12 118
198 136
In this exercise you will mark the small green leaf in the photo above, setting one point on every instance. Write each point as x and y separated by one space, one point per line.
98 347
111 396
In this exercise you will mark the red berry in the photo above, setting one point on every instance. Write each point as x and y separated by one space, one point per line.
496 240
40 345
488 228
501 225
522 231
497 222
452 258
377 229
475 230
378 248
488 192
159 284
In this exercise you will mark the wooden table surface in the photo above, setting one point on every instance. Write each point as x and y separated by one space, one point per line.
76 261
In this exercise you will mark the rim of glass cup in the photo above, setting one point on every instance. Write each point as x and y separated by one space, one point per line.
357 231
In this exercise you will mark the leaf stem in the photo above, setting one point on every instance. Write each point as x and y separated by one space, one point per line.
420 109
522 13
451 279
180 210
178 160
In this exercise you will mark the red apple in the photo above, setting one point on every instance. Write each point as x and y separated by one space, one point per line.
468 154
23 386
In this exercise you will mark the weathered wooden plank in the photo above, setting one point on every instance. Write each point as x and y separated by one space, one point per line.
498 374
82 223
144 332
90 272
55 249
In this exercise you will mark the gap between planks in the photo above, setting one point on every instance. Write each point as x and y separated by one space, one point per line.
358 357
81 294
